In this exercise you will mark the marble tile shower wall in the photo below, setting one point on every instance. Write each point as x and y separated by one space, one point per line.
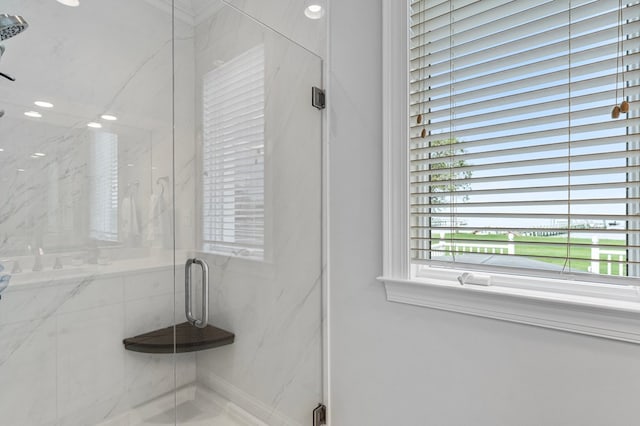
95 59
62 360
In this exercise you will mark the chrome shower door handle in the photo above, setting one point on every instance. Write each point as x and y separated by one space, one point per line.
202 323
187 292
188 309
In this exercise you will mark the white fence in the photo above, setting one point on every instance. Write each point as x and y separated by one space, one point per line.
613 257
445 248
615 260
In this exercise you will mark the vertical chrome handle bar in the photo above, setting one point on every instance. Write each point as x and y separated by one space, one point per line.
200 323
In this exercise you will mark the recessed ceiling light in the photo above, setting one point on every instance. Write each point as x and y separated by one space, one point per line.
314 11
34 156
109 117
43 104
21 170
130 165
95 125
1 149
72 3
33 114
39 154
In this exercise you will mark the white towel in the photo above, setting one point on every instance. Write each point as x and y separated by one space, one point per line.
159 229
129 217
152 224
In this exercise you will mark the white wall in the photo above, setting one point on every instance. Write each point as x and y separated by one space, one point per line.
398 365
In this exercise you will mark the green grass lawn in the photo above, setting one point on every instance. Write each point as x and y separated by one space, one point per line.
556 247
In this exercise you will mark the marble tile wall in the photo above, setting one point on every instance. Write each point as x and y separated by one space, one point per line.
62 360
98 58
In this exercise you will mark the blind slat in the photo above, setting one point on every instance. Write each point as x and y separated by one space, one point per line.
233 155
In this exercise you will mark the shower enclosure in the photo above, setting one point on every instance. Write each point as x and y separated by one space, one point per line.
142 144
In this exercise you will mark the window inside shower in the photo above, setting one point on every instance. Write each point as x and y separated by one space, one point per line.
233 161
103 201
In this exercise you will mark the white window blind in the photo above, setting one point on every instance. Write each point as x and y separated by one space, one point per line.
103 196
515 160
233 157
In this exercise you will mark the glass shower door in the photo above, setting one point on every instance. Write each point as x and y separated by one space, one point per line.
137 139
248 208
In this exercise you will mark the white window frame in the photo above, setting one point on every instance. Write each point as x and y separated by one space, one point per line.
603 310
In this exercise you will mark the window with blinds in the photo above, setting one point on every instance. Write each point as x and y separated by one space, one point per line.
516 163
103 181
233 217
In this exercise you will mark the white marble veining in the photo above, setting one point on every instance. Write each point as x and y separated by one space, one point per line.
90 358
28 374
104 57
63 360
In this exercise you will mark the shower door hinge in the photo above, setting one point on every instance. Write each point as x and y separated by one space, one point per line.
318 98
320 415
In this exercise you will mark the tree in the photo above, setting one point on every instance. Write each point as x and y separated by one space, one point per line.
450 176
453 173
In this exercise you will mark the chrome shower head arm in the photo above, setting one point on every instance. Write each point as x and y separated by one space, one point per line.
11 25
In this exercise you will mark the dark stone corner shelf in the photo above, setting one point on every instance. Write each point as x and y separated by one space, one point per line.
188 339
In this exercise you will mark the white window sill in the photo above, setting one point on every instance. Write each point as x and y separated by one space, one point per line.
226 255
614 317
241 254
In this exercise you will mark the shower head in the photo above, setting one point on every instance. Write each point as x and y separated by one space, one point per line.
11 25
